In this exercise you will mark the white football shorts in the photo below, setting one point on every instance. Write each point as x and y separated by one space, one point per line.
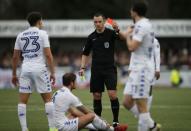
70 125
38 81
138 83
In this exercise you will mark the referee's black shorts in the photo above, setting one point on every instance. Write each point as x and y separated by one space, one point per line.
101 77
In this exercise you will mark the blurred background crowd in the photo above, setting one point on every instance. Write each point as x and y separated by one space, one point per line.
175 50
176 53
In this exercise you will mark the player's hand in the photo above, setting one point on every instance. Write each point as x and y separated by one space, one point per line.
52 79
157 75
81 72
129 30
15 80
115 26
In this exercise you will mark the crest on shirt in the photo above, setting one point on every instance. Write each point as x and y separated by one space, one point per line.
106 44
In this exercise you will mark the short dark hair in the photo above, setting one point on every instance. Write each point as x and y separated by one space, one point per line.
68 78
140 8
99 14
33 18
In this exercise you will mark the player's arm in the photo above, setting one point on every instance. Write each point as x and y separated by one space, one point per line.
134 40
85 55
122 35
49 59
75 102
84 61
157 59
132 44
15 61
84 109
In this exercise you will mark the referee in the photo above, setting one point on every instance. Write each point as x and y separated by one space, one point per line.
101 43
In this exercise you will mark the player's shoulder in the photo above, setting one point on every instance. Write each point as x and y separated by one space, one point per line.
22 33
19 35
144 24
156 42
43 32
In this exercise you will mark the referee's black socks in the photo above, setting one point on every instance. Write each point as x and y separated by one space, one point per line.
97 107
115 109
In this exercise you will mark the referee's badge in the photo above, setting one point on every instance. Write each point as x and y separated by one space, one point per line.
106 44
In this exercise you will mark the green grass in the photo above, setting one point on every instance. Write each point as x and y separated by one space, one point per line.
171 107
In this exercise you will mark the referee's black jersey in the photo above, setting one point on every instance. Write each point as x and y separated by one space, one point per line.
102 46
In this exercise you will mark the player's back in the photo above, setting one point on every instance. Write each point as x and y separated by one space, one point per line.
61 105
32 42
144 54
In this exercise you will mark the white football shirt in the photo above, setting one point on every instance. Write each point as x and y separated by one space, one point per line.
156 60
143 56
32 42
63 99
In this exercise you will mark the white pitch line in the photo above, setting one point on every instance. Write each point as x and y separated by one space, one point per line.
36 108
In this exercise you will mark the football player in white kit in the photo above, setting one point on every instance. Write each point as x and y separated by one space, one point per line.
128 102
34 46
66 102
140 41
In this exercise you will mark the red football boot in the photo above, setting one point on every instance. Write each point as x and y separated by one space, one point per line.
121 127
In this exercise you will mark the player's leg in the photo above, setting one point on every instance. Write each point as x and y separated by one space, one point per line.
85 120
24 94
145 120
140 95
23 99
128 101
110 79
49 108
97 103
101 124
96 88
130 105
43 86
150 98
77 123
74 112
114 106
97 122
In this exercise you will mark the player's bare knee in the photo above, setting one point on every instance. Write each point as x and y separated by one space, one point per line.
128 103
112 95
91 116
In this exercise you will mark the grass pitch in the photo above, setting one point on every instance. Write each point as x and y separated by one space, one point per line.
171 107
